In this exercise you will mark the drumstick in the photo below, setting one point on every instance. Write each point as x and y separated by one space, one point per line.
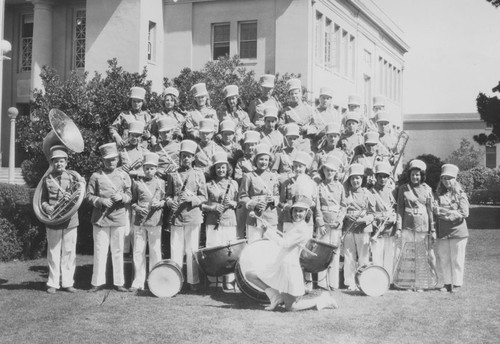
264 222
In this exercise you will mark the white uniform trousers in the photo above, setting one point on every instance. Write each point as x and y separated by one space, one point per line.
255 233
221 236
186 240
383 254
142 235
355 244
104 238
451 260
331 237
128 232
61 256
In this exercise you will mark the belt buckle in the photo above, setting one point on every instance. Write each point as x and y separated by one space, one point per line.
416 211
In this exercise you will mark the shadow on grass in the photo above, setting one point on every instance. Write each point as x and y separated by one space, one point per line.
484 217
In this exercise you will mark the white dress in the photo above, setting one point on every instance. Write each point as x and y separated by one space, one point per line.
285 274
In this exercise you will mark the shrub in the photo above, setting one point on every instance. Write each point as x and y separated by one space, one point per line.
26 234
466 156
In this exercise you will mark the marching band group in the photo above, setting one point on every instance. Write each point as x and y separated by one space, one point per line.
283 173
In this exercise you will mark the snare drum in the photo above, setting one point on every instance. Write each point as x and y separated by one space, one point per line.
220 260
254 256
165 279
373 280
324 254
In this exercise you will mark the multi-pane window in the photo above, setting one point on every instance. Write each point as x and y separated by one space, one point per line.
328 43
26 42
389 80
220 40
491 156
152 41
351 57
319 38
248 40
79 39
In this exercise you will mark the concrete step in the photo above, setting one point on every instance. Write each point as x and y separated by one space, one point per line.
18 176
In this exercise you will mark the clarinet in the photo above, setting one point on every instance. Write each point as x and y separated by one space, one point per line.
223 200
173 210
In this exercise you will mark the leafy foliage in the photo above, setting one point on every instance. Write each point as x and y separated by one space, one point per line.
495 3
489 110
466 156
21 234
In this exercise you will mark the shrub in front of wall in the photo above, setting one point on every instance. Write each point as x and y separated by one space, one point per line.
10 247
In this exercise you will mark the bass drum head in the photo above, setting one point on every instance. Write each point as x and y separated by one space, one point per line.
220 260
253 257
324 254
373 280
165 279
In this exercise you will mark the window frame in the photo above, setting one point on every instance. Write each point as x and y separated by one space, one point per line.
152 42
228 42
240 41
21 68
75 39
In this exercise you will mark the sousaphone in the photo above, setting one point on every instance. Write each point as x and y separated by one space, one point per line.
64 132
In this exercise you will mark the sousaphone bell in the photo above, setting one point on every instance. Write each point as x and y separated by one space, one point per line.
64 132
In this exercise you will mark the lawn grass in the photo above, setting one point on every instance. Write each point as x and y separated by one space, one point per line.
29 315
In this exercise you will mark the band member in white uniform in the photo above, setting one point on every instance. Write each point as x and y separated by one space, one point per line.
265 100
202 110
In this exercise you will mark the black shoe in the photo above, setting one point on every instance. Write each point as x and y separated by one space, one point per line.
96 288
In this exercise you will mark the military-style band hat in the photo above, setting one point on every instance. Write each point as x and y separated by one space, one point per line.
137 93
199 90
109 150
382 168
58 151
383 117
354 100
219 157
331 162
302 202
356 170
417 164
166 124
293 84
151 159
189 146
271 111
251 136
352 116
261 149
267 80
326 91
379 101
227 125
371 137
135 127
449 170
292 129
231 90
332 128
207 125
303 158
172 91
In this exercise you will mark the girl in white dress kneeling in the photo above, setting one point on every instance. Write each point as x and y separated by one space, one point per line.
282 280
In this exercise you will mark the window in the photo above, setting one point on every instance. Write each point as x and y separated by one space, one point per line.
79 39
248 40
328 44
26 42
319 38
344 52
152 41
491 156
351 57
220 40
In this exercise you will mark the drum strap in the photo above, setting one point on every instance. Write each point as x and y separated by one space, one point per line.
57 184
387 207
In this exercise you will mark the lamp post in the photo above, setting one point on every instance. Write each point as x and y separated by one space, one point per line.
13 112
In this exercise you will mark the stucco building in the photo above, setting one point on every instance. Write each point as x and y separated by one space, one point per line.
349 45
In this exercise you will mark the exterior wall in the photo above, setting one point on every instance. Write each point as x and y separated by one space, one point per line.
188 32
441 137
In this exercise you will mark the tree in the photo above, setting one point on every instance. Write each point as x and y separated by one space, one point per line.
489 111
495 3
466 156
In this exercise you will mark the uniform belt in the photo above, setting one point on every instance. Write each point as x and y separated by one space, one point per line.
415 211
353 212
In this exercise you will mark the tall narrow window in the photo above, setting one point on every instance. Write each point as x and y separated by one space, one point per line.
248 40
351 57
319 38
491 156
152 41
328 43
336 48
79 39
344 52
26 42
220 40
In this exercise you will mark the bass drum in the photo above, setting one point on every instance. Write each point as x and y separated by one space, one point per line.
165 279
319 262
373 280
220 260
254 256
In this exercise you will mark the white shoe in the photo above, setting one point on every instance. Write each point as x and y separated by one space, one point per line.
308 286
326 301
275 297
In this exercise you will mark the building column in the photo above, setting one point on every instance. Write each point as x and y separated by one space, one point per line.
42 40
12 143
